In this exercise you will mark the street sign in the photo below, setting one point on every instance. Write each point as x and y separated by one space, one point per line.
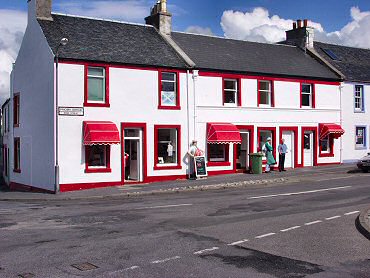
200 166
71 111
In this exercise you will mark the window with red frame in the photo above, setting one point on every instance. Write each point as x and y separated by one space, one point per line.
167 146
96 86
16 104
17 154
97 158
265 93
168 90
307 95
231 92
326 146
218 153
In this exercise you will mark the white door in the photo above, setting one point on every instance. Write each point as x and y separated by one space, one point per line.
308 149
133 164
289 142
244 150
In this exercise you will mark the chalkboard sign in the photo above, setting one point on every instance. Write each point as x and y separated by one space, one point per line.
200 166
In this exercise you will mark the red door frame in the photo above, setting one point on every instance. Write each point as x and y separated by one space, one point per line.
250 129
294 129
315 144
144 149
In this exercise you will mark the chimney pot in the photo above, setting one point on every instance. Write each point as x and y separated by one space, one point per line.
294 25
299 23
305 23
160 18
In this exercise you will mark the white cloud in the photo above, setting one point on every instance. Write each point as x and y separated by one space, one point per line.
258 25
129 10
199 30
12 26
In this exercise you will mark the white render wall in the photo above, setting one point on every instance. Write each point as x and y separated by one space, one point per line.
351 119
33 78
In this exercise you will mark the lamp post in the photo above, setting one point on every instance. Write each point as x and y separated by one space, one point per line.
63 42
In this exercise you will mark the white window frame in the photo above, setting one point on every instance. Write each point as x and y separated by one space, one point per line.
305 93
235 91
360 98
106 158
175 88
266 91
97 77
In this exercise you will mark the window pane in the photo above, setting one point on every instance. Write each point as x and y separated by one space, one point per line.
97 156
265 85
307 141
265 98
96 88
324 144
96 71
229 97
306 100
306 88
264 134
167 146
230 84
169 98
360 136
217 152
169 76
132 133
168 86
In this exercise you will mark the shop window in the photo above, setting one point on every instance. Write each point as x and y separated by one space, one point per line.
359 98
218 152
307 95
96 86
169 90
16 106
326 146
231 94
167 147
265 93
97 159
360 137
17 155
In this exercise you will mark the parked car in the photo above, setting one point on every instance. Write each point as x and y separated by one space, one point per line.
364 163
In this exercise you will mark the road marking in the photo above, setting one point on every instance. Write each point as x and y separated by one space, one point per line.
165 260
205 250
238 242
266 235
289 229
352 212
131 268
313 222
168 206
334 217
299 193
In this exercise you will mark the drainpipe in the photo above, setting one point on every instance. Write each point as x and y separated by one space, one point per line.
341 121
195 77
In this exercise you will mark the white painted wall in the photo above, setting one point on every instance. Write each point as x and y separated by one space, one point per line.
34 80
351 119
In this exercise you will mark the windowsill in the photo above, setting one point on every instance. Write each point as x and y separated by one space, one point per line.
265 105
98 170
360 148
161 107
359 111
219 164
16 125
326 154
169 167
230 104
17 171
87 104
307 107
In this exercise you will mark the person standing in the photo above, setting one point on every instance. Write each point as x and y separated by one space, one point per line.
269 155
283 149
193 152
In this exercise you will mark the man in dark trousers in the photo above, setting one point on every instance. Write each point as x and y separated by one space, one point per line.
283 149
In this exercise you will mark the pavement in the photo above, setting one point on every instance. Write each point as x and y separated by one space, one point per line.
210 183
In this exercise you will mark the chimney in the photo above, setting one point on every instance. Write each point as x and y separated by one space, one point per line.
41 8
301 36
160 18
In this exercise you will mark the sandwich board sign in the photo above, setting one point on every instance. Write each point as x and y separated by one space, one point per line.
200 166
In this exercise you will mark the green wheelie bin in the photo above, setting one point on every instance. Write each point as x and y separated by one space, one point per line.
256 161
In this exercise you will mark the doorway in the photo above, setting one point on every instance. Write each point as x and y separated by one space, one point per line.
288 136
242 155
132 158
308 153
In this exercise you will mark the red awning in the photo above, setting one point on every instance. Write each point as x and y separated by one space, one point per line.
223 133
334 130
100 133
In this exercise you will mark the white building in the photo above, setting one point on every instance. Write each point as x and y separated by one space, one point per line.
131 97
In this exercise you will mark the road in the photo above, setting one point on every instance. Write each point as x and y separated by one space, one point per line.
302 229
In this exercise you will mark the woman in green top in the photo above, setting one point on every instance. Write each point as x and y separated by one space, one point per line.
269 156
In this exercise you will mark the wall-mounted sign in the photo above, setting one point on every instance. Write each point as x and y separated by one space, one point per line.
71 111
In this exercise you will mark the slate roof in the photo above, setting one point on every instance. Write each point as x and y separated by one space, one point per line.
353 62
216 53
110 42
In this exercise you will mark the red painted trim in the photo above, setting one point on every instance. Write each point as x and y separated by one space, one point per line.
273 131
331 147
144 148
178 105
107 169
315 143
265 77
272 91
84 186
154 179
178 166
238 93
328 164
115 65
222 172
313 97
93 104
17 166
219 164
250 129
27 188
294 129
16 110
